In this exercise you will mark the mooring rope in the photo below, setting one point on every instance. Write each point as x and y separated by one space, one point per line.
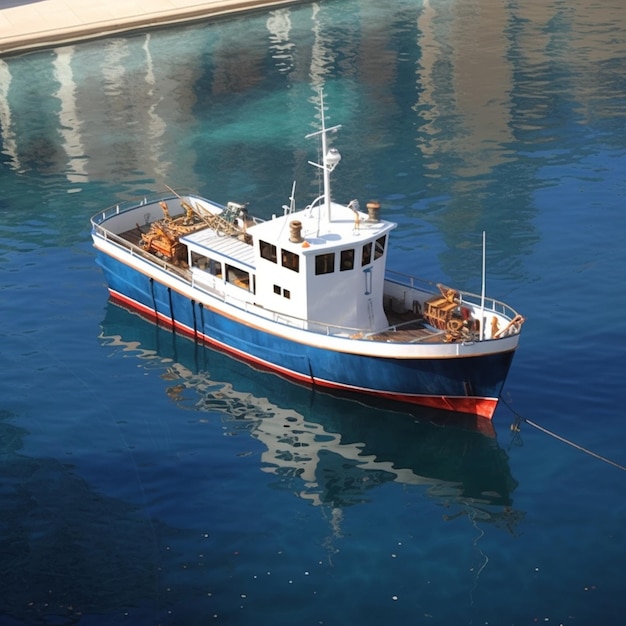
521 418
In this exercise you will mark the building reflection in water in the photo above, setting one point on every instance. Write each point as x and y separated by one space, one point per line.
124 108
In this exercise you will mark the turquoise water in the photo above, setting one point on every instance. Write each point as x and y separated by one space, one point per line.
148 481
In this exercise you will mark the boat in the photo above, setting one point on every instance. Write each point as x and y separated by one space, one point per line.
307 294
327 450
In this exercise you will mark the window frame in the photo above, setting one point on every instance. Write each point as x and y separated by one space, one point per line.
366 254
346 260
290 260
379 247
268 251
325 263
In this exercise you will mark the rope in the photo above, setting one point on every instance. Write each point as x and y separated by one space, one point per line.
521 418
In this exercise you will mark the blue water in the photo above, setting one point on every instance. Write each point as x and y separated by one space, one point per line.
149 481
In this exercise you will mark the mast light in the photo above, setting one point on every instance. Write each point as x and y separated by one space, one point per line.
332 158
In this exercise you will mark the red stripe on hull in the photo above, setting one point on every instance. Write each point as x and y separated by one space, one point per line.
481 407
153 316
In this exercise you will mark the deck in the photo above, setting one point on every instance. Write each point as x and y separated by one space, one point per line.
407 327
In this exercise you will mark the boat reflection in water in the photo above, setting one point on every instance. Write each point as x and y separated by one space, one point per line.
330 451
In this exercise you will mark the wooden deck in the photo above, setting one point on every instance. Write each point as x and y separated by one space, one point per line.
133 236
407 328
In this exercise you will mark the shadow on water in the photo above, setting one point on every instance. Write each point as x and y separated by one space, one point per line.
330 451
68 551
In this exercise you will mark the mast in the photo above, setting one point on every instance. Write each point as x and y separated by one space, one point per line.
482 289
330 158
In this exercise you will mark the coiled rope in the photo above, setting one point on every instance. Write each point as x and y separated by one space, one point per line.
520 418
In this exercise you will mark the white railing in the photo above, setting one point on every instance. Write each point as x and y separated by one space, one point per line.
138 251
417 285
428 287
129 205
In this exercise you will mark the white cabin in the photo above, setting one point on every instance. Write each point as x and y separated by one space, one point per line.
325 271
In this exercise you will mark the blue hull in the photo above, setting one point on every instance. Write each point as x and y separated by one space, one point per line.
470 384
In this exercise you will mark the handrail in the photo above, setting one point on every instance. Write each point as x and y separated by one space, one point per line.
123 207
325 328
138 251
129 205
491 304
248 306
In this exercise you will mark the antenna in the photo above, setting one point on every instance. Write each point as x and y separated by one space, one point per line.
292 201
482 289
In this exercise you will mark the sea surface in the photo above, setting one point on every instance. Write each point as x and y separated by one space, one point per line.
145 480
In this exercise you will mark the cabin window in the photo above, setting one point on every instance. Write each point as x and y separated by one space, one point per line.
366 256
199 260
379 250
278 290
204 263
325 263
214 267
347 260
290 260
268 251
238 277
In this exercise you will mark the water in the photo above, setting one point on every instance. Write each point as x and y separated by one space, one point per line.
147 481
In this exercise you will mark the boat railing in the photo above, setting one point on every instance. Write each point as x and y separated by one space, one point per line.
246 304
491 305
322 328
124 207
222 294
139 251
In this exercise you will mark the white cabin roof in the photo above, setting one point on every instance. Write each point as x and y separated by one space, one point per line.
341 231
209 241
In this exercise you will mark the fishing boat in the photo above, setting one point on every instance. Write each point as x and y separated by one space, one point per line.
333 450
307 294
